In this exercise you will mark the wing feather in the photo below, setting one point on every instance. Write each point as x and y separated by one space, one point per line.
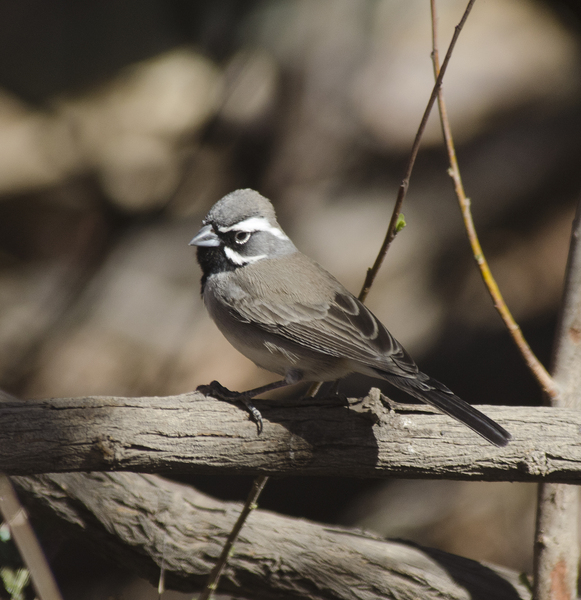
337 325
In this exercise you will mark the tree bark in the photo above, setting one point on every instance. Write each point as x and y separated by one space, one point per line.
556 537
148 524
194 434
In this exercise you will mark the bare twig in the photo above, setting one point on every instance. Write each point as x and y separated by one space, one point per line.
392 228
556 545
16 517
543 377
250 505
25 539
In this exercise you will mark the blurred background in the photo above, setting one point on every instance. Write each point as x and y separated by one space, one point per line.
123 121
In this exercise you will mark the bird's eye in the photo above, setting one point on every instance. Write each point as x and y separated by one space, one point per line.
242 237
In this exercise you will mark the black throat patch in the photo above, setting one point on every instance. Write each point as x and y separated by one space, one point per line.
212 261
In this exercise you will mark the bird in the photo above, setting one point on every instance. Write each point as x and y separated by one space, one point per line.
288 315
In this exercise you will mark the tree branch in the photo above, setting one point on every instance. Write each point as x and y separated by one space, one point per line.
194 434
556 539
403 188
534 364
146 522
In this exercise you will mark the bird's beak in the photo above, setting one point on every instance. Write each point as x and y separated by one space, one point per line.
205 237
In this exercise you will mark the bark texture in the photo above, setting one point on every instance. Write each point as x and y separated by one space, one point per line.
556 537
148 523
194 434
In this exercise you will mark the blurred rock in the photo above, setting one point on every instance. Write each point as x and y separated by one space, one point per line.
320 46
510 54
143 328
209 173
37 149
251 83
130 130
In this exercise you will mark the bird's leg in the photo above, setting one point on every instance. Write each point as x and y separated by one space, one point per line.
328 389
217 390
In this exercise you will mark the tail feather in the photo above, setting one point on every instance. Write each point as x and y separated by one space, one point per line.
436 394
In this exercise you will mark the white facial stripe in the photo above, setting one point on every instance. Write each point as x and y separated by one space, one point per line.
255 224
237 259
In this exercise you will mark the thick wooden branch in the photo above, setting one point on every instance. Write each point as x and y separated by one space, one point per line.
148 523
194 434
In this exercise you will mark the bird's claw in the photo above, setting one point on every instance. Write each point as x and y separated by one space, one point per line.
217 390
254 413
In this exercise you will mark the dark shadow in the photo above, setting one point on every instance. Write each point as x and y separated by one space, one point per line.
329 426
325 425
481 582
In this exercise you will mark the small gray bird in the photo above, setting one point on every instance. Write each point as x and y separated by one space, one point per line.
288 315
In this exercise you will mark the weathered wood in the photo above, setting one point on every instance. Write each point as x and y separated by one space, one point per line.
556 537
146 523
194 434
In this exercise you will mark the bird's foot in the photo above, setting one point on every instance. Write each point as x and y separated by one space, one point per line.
253 411
217 390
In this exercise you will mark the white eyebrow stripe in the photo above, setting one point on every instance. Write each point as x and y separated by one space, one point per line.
255 224
240 260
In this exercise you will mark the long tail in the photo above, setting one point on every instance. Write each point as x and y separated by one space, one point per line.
433 392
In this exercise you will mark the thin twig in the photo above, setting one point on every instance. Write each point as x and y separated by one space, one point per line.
25 539
539 371
248 507
16 517
391 230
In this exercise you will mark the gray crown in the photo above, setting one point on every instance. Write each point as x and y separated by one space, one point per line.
239 205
